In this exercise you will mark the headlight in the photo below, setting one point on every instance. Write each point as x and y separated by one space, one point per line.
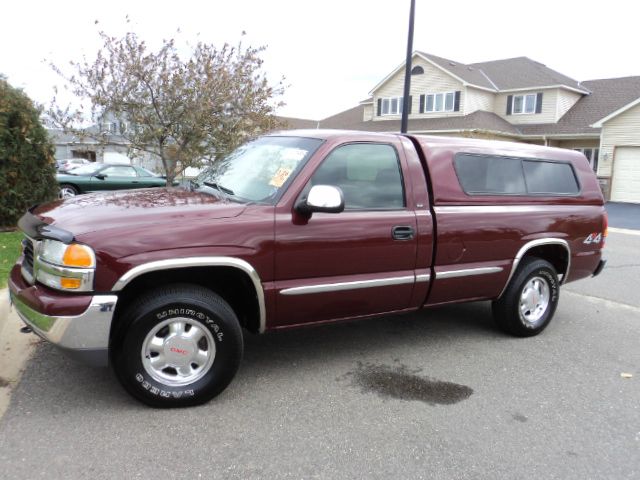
73 255
65 267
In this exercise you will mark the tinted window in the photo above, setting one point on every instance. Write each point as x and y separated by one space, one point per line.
550 177
368 174
484 174
119 171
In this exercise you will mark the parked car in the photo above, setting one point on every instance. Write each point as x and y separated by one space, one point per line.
304 228
70 163
96 177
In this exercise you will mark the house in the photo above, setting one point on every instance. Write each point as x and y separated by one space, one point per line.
114 149
515 99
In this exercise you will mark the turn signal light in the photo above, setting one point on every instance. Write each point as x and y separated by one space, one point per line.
70 283
77 256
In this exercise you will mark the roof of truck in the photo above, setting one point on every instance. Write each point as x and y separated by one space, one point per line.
433 141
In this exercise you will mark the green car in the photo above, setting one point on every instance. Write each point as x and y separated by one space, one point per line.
97 177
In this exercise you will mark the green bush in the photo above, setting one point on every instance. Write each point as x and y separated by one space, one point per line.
27 166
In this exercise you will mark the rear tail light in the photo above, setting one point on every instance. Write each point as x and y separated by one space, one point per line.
605 228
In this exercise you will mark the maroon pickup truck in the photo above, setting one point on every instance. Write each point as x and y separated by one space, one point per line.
301 228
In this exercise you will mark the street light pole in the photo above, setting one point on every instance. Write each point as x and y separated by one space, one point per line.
407 72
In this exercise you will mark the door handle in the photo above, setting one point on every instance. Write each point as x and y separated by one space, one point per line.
402 233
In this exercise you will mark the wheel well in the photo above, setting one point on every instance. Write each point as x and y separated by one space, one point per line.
230 283
78 189
555 254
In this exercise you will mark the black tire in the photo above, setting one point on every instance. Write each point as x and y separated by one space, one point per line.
532 272
195 307
67 190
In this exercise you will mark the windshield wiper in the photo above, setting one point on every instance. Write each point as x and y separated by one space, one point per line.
218 187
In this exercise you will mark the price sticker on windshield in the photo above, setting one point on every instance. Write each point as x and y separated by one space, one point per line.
280 177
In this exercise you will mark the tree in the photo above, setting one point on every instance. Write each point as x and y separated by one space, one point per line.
27 167
181 110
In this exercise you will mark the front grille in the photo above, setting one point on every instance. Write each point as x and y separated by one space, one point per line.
27 259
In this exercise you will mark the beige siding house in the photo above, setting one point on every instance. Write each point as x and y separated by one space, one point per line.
515 99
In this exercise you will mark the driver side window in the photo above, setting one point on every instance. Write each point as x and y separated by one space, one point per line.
367 173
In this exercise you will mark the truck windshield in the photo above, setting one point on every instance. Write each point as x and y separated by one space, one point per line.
257 171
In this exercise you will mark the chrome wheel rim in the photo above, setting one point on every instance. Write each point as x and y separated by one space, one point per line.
67 192
178 351
534 300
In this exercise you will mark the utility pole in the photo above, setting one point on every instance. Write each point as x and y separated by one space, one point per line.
407 72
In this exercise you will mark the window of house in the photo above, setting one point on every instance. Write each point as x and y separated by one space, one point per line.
523 104
392 106
440 102
417 70
367 173
592 155
109 127
493 175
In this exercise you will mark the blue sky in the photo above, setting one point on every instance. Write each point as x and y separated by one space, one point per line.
331 52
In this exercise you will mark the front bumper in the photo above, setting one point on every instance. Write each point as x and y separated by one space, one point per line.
84 336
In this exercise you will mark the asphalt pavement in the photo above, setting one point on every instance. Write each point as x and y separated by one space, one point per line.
624 215
439 394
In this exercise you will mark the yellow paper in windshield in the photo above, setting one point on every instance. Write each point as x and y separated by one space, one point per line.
280 177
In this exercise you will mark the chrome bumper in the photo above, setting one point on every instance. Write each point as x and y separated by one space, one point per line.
85 336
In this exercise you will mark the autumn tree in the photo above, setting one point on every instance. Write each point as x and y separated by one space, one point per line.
27 167
181 108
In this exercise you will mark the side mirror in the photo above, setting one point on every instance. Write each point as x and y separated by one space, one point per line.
322 198
100 176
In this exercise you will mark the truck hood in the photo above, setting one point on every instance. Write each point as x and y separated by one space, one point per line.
139 208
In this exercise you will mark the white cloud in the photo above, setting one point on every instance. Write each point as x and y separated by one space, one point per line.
334 51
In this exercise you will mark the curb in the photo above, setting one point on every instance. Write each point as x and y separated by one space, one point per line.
626 231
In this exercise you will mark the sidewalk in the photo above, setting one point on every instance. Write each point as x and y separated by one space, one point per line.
15 350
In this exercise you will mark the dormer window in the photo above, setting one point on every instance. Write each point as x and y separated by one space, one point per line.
525 104
391 106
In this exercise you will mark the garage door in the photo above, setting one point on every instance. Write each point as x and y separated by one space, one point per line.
626 175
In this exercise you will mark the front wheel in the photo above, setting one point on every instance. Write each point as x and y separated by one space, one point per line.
181 346
530 300
67 191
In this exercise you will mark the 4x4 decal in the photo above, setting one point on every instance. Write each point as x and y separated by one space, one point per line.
593 238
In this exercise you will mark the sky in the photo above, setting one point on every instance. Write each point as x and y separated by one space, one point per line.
331 52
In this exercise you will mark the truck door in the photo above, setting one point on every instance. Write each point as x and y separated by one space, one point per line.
354 263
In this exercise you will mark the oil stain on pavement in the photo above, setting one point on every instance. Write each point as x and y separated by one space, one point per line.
398 382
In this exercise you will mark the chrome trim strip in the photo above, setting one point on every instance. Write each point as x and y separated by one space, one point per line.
424 277
494 208
88 331
467 272
536 243
199 262
355 285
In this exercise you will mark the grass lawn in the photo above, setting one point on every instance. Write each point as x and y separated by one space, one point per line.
9 253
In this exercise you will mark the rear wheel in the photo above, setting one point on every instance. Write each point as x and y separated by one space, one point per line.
181 346
67 191
530 300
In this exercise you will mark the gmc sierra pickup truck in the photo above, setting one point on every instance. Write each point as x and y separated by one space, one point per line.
300 228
